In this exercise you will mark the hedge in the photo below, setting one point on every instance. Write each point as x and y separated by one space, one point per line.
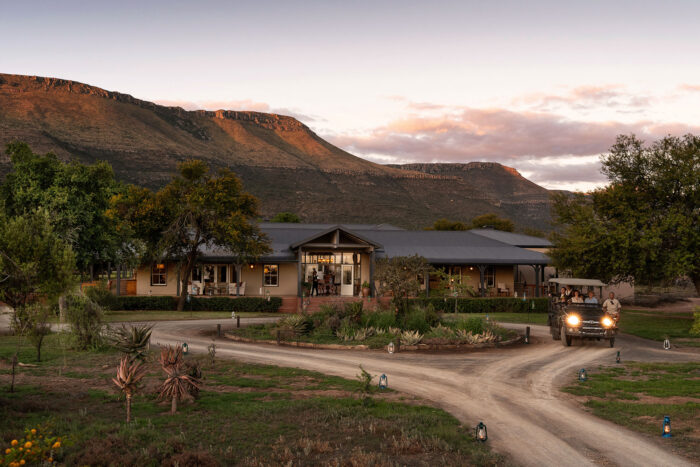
166 303
487 305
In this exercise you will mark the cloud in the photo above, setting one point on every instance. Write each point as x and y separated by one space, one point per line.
588 97
689 87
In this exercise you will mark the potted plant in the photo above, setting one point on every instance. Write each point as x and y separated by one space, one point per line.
365 289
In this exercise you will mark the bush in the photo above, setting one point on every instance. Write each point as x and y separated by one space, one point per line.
380 319
86 321
417 319
473 325
166 303
486 305
101 295
695 329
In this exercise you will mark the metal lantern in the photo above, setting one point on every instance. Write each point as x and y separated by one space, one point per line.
233 315
267 295
666 427
582 374
390 348
480 432
383 382
185 348
617 359
667 344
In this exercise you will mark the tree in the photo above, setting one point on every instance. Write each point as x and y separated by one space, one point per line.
445 224
195 210
177 385
286 217
644 226
492 221
128 380
399 275
75 195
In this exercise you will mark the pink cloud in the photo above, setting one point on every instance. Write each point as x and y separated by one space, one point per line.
588 97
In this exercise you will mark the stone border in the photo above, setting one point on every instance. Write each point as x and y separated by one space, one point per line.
409 348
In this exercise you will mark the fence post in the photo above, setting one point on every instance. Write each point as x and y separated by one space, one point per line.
278 337
238 321
218 330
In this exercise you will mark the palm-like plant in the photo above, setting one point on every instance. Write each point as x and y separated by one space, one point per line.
128 380
178 385
132 340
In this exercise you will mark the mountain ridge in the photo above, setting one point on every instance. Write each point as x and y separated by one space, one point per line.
280 160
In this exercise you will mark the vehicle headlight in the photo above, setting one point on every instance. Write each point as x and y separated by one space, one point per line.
573 320
607 322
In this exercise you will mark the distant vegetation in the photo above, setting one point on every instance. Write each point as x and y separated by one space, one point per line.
288 217
489 220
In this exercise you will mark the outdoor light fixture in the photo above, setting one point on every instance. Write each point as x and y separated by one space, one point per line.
480 432
233 315
390 348
573 320
667 344
666 427
607 322
185 348
582 375
617 359
383 382
252 266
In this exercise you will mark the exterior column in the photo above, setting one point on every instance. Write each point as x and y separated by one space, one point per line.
239 273
372 291
119 276
426 277
300 257
538 292
482 271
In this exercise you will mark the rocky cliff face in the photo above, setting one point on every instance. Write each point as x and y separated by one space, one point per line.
279 159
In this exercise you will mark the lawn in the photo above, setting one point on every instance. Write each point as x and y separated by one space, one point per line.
520 318
659 326
245 414
121 316
639 395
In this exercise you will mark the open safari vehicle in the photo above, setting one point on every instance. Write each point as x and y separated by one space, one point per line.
580 320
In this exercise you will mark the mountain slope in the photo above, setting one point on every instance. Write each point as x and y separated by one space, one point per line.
279 159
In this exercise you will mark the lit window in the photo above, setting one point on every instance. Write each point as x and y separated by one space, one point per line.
270 275
158 275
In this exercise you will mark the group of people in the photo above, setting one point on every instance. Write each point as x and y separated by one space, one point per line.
611 306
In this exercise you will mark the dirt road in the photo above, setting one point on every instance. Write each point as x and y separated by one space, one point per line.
513 391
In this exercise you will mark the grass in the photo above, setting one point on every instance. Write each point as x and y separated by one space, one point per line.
659 326
639 395
520 318
246 414
159 315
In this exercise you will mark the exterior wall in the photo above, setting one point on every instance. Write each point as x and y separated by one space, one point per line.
254 280
472 277
143 281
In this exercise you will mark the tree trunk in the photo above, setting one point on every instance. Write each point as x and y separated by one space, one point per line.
128 408
62 308
38 348
185 278
14 366
173 406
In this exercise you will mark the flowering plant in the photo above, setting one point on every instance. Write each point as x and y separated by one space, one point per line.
37 447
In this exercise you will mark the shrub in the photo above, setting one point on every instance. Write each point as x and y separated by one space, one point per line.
297 324
473 325
695 329
353 311
486 305
86 321
411 337
421 319
101 295
38 447
132 340
380 319
167 303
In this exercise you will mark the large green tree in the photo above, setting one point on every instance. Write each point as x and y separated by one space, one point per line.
75 195
492 221
446 224
645 225
195 210
399 275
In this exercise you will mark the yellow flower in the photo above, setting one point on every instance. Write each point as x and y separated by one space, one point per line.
8 450
50 459
56 445
28 444
22 462
33 431
21 449
14 442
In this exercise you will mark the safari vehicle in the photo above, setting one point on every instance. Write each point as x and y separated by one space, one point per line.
582 320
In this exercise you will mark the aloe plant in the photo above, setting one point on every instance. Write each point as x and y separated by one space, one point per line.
132 340
411 337
128 380
178 385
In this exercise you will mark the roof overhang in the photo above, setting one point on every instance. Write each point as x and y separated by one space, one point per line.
575 281
362 240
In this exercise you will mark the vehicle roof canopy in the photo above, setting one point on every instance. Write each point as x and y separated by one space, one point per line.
575 281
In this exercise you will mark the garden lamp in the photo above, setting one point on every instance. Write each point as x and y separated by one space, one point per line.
390 348
666 427
267 295
480 432
383 382
233 315
617 359
185 348
582 374
667 344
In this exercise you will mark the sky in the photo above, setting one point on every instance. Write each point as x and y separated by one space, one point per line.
542 86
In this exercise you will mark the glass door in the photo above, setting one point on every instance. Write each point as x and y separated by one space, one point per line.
346 281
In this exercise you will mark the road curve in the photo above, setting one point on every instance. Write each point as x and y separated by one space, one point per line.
514 391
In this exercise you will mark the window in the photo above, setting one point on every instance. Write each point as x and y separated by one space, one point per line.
270 275
197 274
158 275
490 276
222 273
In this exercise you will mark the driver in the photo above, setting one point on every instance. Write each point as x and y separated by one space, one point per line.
612 307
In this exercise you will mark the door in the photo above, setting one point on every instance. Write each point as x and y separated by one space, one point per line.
346 281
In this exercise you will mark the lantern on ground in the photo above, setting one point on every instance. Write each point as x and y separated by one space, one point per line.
667 344
383 382
391 348
582 375
666 427
233 315
480 432
185 348
267 295
617 359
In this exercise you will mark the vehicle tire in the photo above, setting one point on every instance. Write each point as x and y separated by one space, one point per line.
565 340
612 342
